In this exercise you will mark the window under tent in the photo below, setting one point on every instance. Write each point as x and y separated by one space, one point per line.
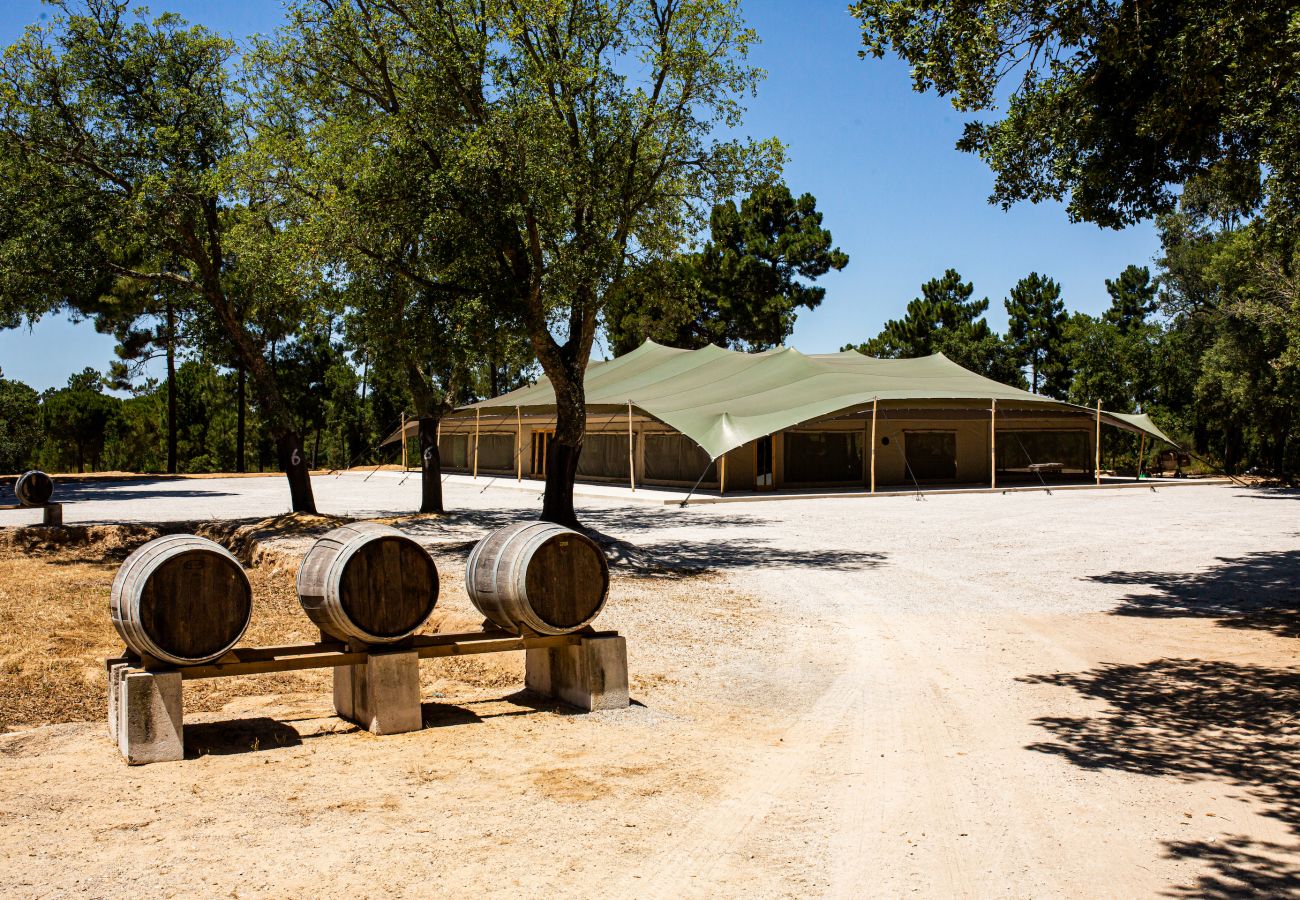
675 457
823 457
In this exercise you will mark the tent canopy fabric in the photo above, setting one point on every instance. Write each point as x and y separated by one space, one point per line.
723 399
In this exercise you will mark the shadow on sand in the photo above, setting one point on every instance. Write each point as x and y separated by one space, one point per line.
1259 590
1192 720
660 558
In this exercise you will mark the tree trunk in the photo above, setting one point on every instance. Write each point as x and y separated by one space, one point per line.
171 389
430 467
294 465
562 456
241 403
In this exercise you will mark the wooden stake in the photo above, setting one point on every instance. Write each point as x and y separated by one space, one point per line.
519 446
404 442
874 403
477 413
722 475
993 444
1097 462
1142 452
631 460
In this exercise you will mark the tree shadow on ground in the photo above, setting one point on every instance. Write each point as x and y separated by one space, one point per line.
669 558
1259 590
1238 867
1271 494
1193 720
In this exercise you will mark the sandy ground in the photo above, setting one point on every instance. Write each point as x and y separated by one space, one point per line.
1081 694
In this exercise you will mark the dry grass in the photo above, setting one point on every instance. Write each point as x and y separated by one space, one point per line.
55 629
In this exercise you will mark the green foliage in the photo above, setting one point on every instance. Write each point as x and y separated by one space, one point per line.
1035 321
944 319
76 420
1132 298
743 289
20 425
1111 106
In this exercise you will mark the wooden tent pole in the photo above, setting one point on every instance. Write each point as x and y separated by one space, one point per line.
631 458
404 442
1097 461
477 415
722 475
874 404
1142 452
519 446
993 444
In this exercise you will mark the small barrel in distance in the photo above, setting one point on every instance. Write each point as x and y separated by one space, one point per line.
181 599
537 577
368 583
34 488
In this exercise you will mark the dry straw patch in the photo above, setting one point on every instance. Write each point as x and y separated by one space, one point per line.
55 629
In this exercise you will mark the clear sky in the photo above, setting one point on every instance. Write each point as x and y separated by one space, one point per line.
898 198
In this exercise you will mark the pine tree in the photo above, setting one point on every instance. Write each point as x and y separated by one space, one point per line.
1035 319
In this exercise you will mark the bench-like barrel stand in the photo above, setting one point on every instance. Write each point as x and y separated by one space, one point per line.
51 513
378 688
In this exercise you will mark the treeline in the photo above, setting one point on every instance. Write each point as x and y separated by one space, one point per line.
1208 346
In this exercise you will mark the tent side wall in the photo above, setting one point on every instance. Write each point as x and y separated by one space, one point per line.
942 443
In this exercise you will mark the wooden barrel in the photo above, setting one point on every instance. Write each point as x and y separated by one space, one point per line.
34 488
182 599
538 577
368 583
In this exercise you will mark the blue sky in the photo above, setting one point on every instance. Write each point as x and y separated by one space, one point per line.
898 198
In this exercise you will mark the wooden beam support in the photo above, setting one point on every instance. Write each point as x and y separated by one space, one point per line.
1097 460
404 456
631 456
519 446
330 654
874 404
993 444
476 421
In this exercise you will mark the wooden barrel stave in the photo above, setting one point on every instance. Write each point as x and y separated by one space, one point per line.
181 599
34 488
368 583
537 577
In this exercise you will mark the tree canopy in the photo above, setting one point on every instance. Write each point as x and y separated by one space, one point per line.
1112 107
743 289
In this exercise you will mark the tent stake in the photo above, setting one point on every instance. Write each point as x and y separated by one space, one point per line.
631 459
476 420
993 445
1097 463
874 403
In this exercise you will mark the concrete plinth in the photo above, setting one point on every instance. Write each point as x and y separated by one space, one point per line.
591 674
382 695
148 713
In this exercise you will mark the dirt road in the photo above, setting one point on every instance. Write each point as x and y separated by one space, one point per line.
1085 694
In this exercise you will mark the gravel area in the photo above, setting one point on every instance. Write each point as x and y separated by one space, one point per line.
1088 693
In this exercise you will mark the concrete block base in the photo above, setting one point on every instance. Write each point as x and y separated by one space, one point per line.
591 674
382 695
146 715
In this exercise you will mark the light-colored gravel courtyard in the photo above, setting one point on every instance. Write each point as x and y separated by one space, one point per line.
1088 693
